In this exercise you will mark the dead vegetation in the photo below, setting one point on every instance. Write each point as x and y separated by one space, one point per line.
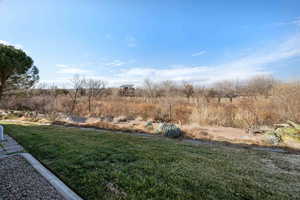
261 101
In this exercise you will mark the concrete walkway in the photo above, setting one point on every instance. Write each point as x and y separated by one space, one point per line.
9 146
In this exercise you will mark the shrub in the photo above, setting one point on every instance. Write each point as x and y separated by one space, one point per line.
169 130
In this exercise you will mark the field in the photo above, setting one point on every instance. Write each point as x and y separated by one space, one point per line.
106 165
205 114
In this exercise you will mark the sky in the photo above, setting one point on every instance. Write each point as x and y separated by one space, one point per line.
128 41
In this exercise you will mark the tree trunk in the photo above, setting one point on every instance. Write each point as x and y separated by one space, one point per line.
207 99
89 103
74 102
1 92
2 86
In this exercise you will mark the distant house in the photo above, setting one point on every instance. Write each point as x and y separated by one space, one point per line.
127 90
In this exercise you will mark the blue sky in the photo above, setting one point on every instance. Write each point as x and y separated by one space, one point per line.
126 41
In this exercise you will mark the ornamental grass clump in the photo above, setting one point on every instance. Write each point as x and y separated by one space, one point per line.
169 130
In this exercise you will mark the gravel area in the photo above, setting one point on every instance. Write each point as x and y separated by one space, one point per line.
20 181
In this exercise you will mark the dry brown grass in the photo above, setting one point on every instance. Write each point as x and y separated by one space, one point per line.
243 112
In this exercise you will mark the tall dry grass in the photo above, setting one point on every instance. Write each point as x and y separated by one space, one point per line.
243 112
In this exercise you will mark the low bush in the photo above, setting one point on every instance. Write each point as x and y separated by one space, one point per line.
169 130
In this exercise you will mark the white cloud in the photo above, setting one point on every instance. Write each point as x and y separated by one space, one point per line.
66 69
18 46
4 42
240 68
62 65
255 62
131 41
199 53
62 82
73 70
115 63
196 74
295 21
80 69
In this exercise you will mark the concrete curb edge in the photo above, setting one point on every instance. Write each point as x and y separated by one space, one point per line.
61 188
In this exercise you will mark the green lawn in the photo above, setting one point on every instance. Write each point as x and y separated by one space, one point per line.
103 165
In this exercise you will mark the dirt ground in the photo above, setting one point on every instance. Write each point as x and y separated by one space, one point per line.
233 135
194 131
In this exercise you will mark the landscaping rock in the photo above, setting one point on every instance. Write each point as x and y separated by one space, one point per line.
272 138
120 119
77 119
258 130
139 119
107 118
93 120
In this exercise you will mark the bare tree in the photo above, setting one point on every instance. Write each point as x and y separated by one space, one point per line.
226 89
150 88
77 84
260 85
93 89
208 93
188 89
168 88
40 89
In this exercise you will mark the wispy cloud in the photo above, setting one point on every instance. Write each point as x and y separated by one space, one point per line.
255 62
241 68
199 53
73 71
131 41
115 63
62 65
295 21
81 69
66 69
196 74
